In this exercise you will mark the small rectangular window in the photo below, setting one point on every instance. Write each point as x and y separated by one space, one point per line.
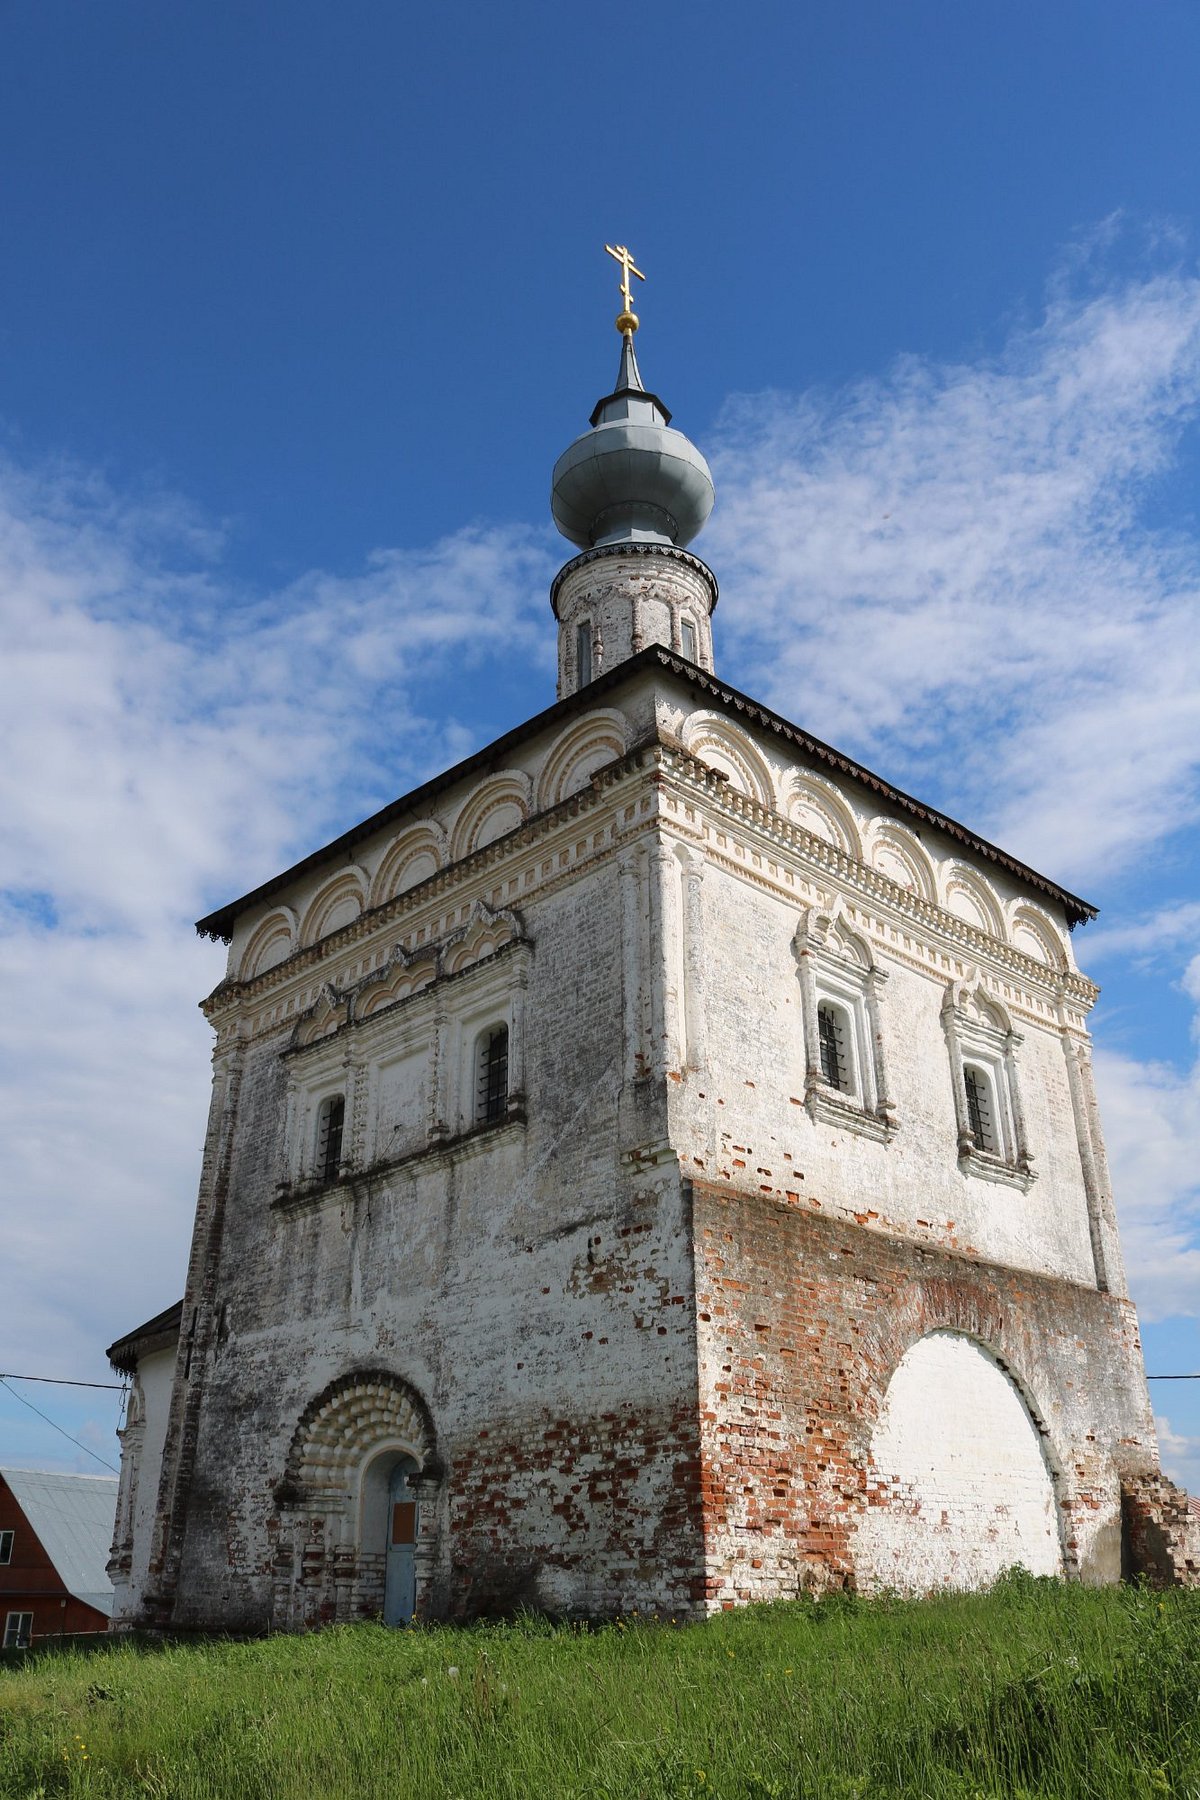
18 1629
583 653
6 1544
491 1101
330 1127
981 1115
831 1034
687 636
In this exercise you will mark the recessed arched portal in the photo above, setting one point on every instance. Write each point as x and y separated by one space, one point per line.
959 1487
391 1528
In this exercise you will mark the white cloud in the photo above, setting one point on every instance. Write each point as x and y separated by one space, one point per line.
947 570
1180 1455
169 741
1151 1114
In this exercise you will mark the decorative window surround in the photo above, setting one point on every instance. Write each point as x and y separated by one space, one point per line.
425 1010
980 1037
837 970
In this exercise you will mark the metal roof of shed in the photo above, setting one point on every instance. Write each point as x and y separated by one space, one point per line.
72 1517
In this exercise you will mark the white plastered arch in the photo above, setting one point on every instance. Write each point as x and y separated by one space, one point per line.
816 805
338 903
960 1486
712 740
897 852
271 942
969 897
416 854
1031 931
574 758
498 806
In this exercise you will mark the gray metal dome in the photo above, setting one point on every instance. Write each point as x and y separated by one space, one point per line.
631 478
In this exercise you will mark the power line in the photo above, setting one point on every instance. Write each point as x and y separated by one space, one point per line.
49 1421
62 1381
1173 1378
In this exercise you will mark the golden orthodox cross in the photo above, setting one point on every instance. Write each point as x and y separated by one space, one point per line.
628 320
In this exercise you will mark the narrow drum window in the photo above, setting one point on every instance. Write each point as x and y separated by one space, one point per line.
330 1125
687 638
981 1114
831 1032
491 1092
583 652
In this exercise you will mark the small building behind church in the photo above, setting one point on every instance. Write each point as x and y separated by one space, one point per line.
54 1538
654 1164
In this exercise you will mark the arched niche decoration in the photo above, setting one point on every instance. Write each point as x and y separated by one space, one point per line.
816 806
413 857
899 854
1031 932
499 806
271 943
339 902
712 740
484 933
970 1000
959 1484
826 928
345 1425
574 757
970 898
331 1012
404 974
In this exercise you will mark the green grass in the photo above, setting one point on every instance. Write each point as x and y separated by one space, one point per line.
1037 1688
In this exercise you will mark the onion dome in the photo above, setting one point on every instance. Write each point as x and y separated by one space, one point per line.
631 479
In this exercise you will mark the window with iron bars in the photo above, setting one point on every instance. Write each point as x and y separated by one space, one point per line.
491 1090
981 1116
831 1036
330 1127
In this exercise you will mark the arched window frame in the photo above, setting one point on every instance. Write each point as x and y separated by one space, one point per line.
980 1038
837 972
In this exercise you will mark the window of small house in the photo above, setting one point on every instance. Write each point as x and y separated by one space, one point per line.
331 1122
491 1080
18 1629
6 1544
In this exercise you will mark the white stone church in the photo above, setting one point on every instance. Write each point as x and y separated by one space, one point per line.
654 1164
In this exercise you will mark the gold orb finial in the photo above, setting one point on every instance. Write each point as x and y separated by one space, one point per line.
627 319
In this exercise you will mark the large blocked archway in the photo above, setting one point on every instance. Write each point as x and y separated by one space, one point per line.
959 1486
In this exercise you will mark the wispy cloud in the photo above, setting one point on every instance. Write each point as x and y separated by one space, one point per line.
169 740
951 570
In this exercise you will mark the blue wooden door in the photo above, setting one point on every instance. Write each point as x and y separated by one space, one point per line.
400 1588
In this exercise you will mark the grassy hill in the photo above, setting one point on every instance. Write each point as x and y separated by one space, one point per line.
1037 1688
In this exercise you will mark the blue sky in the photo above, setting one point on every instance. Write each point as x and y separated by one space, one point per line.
297 307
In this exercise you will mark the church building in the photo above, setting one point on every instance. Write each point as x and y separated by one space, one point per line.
655 1164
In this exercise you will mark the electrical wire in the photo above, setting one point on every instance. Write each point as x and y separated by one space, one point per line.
49 1421
62 1381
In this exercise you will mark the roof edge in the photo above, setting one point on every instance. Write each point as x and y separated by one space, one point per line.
220 924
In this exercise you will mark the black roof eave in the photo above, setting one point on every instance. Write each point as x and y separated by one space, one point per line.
220 924
166 1325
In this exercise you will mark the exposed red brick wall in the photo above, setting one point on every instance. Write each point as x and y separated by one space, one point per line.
803 1321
